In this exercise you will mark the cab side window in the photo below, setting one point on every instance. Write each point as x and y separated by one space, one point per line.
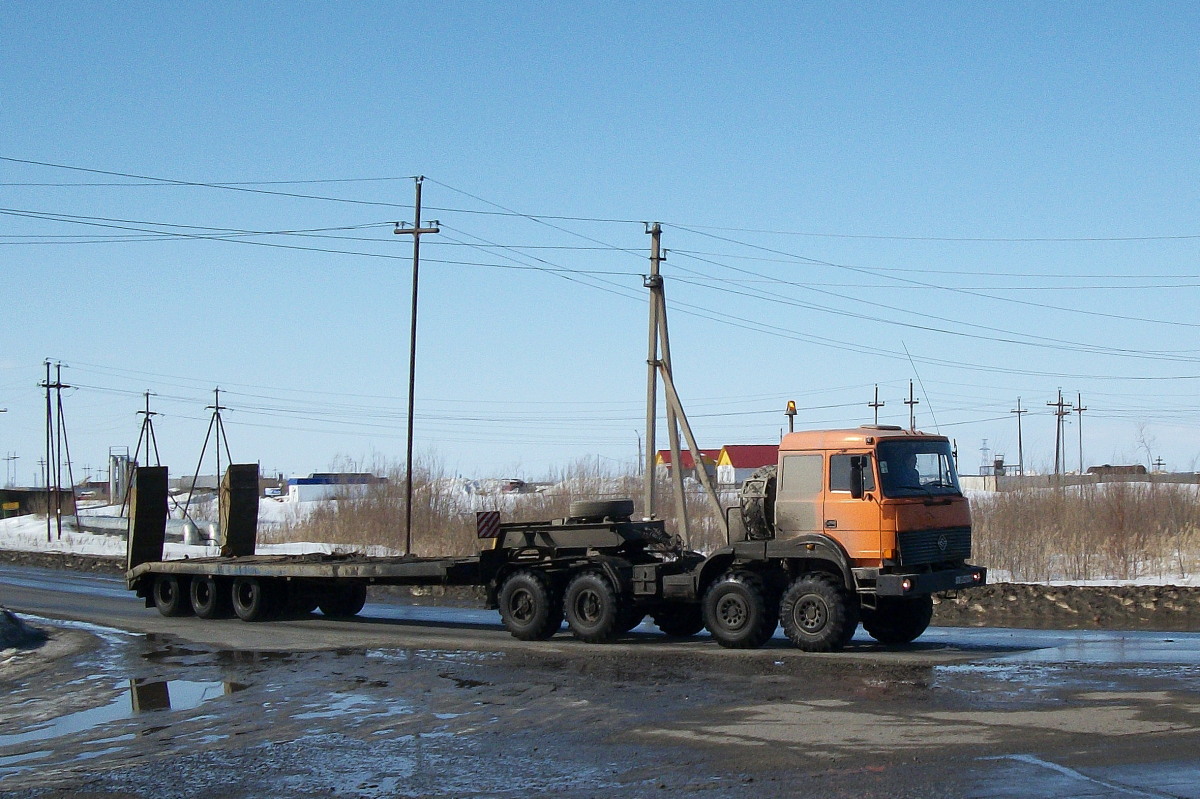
801 476
839 473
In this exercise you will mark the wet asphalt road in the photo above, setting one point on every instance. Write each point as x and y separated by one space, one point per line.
435 701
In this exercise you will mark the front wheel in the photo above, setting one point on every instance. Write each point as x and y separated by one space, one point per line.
529 607
736 611
817 614
593 608
898 620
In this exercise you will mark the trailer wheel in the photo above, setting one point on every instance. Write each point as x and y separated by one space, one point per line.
529 607
344 600
211 598
593 608
736 611
253 599
170 595
682 621
817 615
898 620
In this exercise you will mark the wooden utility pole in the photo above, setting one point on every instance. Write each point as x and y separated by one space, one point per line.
416 231
660 366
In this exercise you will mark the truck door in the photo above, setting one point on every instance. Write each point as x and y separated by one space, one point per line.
798 495
853 522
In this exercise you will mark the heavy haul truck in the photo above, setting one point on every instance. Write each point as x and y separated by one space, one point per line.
850 526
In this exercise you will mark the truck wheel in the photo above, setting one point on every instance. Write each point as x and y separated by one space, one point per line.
736 611
344 600
898 620
529 607
210 598
817 615
593 608
170 595
682 621
253 599
601 509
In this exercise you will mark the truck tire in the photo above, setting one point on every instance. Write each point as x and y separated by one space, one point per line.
344 601
757 499
211 598
898 620
170 595
680 621
601 509
737 613
529 607
253 599
817 614
593 608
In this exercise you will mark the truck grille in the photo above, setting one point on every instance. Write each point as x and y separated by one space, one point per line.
934 546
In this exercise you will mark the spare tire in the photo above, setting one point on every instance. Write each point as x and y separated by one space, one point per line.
601 509
758 503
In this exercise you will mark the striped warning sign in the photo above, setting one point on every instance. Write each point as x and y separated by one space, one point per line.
487 524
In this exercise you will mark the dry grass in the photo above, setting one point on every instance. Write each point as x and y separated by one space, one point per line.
1117 531
1108 531
443 519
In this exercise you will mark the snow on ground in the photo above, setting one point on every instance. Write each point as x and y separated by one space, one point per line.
29 534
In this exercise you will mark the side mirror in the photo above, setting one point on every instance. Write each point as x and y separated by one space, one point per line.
857 464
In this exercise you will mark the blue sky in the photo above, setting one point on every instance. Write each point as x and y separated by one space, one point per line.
996 201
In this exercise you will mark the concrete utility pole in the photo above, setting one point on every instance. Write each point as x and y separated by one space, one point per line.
416 231
912 403
876 405
1079 409
57 446
660 366
1060 460
1019 411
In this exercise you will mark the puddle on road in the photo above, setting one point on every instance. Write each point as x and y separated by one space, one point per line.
140 696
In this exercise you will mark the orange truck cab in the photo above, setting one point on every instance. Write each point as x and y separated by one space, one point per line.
862 524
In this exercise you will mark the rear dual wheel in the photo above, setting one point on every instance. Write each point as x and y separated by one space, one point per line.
211 598
344 600
594 609
170 595
255 599
530 607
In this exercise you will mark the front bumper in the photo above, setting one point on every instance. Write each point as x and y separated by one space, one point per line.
919 584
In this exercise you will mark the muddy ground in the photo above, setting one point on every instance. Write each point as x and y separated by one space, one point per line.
157 715
1017 605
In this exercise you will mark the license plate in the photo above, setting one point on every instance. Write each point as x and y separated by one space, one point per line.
963 579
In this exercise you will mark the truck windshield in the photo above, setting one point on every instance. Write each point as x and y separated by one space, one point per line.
917 468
